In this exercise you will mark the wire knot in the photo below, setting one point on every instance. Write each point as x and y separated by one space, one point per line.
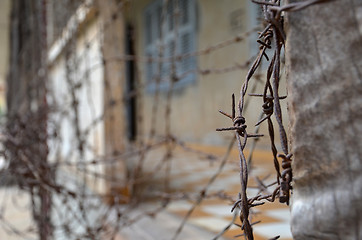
239 123
287 176
268 107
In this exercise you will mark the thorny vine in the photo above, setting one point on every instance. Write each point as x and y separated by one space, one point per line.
273 36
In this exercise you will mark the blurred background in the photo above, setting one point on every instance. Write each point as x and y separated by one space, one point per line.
109 111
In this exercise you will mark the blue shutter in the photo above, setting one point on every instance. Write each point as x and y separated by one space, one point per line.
152 33
186 41
170 15
148 42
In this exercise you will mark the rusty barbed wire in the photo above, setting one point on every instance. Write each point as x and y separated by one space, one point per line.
272 37
77 199
62 171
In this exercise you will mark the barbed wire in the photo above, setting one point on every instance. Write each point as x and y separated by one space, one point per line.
272 37
55 155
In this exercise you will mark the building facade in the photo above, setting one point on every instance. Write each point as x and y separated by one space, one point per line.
126 74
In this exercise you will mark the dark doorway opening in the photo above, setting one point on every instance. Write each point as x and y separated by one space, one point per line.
131 103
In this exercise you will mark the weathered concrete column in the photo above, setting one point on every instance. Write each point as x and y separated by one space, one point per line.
113 49
324 65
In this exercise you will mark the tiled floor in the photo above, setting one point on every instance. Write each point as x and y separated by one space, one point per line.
15 214
214 214
215 217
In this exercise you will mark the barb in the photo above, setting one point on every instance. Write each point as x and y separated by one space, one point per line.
273 38
87 141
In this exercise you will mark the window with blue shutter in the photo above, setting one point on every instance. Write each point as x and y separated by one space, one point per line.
182 46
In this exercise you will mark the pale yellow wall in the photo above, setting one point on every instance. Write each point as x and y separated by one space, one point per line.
195 107
4 37
4 47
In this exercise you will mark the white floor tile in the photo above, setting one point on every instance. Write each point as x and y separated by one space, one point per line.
281 214
218 210
269 230
179 206
210 223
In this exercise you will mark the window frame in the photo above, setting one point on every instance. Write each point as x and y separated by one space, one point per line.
152 41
